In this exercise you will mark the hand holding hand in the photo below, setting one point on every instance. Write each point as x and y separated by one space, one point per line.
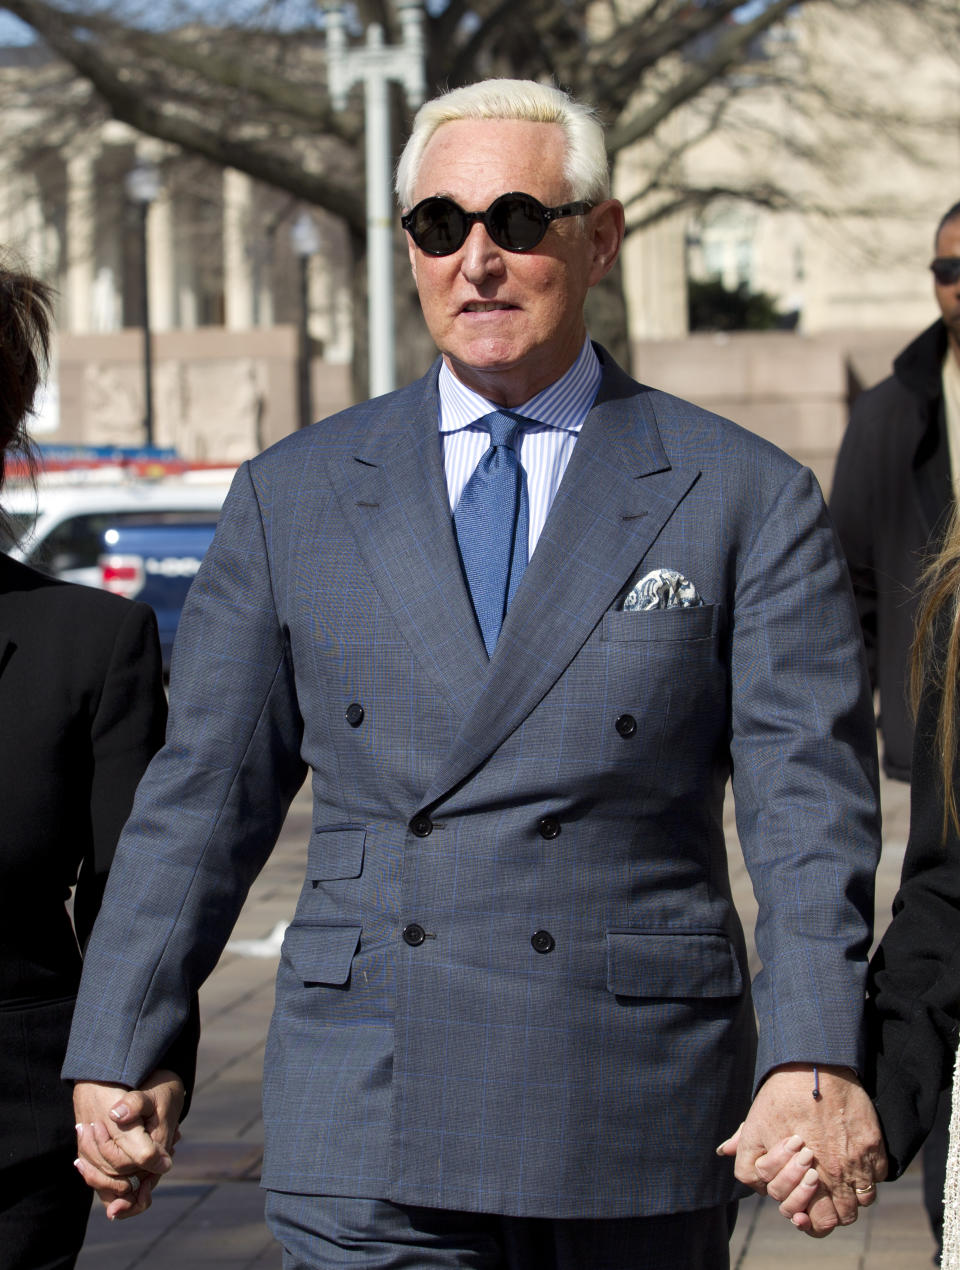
125 1138
819 1157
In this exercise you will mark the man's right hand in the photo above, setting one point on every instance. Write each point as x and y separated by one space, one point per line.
125 1138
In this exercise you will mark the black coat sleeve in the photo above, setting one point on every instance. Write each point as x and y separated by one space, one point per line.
851 506
914 981
126 731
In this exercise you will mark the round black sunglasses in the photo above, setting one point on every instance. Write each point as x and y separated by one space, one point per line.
946 270
515 222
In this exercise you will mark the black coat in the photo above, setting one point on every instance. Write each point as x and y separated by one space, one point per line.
891 495
82 711
914 981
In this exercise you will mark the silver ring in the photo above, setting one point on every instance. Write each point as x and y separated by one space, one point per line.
134 1183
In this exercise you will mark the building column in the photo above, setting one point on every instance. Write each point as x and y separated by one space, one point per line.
654 269
80 247
238 283
161 257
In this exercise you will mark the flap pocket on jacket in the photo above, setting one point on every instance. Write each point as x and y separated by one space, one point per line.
666 624
680 965
335 851
321 954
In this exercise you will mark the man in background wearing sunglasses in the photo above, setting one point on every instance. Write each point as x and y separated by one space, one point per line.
893 492
521 619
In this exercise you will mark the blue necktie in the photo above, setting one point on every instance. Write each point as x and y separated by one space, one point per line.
492 522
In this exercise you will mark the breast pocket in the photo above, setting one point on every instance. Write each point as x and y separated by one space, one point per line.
666 625
665 669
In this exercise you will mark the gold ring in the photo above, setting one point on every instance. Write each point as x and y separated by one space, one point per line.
865 1190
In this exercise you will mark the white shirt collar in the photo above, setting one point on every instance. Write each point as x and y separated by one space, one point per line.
562 404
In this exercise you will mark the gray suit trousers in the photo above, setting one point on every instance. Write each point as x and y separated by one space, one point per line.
330 1232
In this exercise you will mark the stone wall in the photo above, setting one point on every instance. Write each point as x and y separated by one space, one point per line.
218 395
223 395
794 390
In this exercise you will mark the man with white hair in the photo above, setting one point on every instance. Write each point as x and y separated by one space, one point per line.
521 620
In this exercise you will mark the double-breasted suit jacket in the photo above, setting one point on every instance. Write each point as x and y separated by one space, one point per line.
515 981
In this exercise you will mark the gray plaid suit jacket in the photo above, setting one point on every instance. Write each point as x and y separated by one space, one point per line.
484 801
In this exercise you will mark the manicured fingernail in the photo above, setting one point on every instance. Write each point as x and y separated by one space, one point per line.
794 1143
810 1177
804 1157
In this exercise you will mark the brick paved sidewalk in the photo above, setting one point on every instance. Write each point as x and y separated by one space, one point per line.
209 1213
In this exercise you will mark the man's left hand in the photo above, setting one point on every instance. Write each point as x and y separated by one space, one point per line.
841 1130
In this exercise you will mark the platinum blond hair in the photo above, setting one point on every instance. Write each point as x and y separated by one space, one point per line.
585 167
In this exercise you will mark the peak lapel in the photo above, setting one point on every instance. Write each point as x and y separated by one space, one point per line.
393 494
616 495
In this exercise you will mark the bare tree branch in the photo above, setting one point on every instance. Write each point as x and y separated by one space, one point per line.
256 156
700 74
674 75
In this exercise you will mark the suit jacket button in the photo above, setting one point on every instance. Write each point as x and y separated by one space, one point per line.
542 941
354 714
421 826
626 725
549 827
414 935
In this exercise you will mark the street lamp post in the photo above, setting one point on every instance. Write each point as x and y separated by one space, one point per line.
306 243
143 186
376 64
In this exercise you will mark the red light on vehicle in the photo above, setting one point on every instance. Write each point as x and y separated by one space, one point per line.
123 575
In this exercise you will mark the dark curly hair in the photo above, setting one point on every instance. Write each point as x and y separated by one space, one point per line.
25 317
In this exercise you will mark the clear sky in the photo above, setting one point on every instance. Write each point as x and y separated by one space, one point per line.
12 30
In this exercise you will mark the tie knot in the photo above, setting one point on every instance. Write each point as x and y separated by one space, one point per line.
503 427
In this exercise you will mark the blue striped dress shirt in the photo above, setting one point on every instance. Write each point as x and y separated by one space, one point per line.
545 448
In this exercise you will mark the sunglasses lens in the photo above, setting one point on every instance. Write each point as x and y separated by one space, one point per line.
438 226
946 270
516 222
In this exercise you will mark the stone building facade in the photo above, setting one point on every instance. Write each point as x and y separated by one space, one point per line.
225 283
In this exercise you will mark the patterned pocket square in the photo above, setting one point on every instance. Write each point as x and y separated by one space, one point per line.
662 589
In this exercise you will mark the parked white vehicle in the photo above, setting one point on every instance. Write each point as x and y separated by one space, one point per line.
59 526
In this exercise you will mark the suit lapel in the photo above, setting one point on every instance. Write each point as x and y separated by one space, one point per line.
616 495
393 493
